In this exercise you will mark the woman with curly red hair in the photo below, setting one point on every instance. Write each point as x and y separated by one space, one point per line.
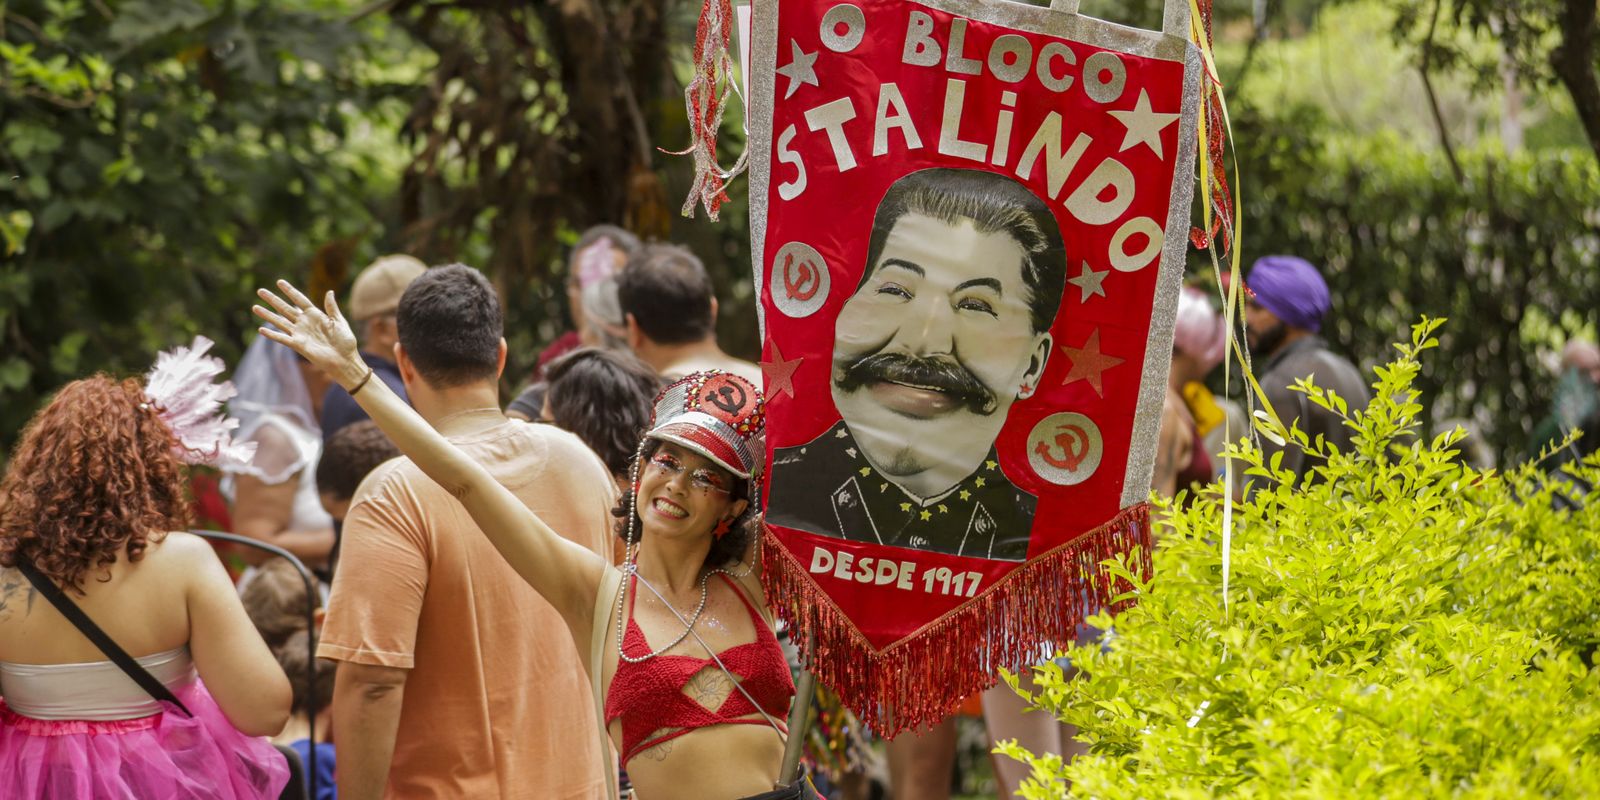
92 497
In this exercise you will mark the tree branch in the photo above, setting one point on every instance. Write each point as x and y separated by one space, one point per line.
1258 34
1574 63
370 9
1433 98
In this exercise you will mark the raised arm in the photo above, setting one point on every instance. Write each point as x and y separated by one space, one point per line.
563 572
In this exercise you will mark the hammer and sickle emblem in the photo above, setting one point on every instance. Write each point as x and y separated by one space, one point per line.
800 284
728 398
1074 444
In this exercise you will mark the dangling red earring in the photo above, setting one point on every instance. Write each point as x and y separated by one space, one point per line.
722 528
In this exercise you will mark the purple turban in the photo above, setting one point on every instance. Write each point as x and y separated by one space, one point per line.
1200 331
1290 288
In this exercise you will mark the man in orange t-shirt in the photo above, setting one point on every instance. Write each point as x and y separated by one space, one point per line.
456 679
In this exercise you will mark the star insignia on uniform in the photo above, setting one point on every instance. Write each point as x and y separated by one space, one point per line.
1088 363
927 515
1090 283
883 487
905 506
978 483
865 471
943 509
1143 123
990 465
841 433
851 451
966 495
779 373
802 69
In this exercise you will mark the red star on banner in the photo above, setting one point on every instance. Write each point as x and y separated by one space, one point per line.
780 373
1088 362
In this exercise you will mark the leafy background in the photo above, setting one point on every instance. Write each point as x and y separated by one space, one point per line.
1406 626
159 158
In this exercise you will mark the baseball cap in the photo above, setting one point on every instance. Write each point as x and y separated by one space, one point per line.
378 288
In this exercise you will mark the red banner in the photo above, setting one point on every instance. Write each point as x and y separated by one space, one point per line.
971 220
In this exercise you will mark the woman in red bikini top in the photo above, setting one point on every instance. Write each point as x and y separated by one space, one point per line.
695 685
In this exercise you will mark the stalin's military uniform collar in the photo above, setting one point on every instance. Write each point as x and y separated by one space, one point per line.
983 516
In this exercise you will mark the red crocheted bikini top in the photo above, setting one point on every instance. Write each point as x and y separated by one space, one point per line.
649 697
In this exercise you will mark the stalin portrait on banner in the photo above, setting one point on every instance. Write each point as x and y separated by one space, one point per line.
949 326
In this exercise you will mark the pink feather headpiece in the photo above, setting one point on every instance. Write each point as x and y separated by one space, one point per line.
180 386
596 262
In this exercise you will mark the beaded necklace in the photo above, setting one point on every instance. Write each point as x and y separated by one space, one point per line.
630 570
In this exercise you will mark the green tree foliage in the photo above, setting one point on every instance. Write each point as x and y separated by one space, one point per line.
542 119
538 121
1535 44
1543 42
1383 90
1407 627
1397 236
160 159
1339 163
156 162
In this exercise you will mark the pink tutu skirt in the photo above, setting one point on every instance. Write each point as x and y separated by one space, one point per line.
166 755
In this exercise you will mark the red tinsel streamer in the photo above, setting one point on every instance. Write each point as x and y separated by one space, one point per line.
1216 133
1040 604
705 99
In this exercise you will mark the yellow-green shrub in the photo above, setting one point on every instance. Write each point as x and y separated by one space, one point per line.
1403 627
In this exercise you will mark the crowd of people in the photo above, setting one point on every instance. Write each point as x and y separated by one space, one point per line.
506 594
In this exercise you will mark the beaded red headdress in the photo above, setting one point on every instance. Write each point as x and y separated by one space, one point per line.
718 415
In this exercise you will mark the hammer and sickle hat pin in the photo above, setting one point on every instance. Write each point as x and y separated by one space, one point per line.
716 414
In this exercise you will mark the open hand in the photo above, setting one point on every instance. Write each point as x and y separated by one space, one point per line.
322 337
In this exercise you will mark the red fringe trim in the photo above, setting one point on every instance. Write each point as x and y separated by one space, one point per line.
923 678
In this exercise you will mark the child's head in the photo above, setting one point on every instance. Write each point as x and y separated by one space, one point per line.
275 600
292 656
351 453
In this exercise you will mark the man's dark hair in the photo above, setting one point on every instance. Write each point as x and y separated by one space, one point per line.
605 398
450 326
350 454
621 240
668 291
996 204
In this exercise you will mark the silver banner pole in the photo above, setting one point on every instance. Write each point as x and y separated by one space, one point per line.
799 721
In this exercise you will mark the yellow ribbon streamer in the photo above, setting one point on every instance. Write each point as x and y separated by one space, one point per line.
1231 297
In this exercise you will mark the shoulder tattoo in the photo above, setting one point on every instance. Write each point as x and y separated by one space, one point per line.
16 593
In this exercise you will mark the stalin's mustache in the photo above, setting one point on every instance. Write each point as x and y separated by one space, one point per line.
940 374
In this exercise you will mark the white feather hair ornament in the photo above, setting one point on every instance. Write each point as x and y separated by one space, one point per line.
181 389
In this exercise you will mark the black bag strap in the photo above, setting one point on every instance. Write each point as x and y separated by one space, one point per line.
81 621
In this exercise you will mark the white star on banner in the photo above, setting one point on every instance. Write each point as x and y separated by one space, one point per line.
800 69
1144 125
1090 283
